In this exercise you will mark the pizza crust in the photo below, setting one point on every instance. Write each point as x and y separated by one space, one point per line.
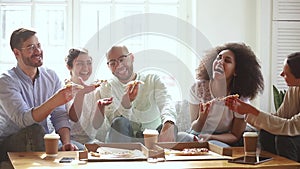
234 96
99 82
95 154
135 82
71 84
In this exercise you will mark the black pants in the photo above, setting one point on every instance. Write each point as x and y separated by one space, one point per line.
121 131
286 146
27 139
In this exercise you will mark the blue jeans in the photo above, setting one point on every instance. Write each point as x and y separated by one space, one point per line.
121 131
286 146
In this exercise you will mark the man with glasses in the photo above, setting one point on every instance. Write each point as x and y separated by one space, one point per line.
145 104
30 96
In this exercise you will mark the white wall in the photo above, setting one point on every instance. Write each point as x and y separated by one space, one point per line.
231 20
264 52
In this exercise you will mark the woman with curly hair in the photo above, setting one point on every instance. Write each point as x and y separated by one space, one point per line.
228 69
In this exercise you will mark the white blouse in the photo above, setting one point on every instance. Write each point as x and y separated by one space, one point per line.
220 118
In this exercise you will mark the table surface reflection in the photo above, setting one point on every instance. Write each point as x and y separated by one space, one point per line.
31 160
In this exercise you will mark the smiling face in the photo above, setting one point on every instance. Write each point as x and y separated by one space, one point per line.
30 54
123 67
224 65
82 67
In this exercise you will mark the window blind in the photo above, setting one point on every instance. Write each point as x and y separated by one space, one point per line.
285 35
286 10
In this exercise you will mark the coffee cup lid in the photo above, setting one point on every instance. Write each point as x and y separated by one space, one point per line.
150 131
52 136
250 134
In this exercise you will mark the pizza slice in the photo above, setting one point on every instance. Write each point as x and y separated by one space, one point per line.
135 82
234 96
95 154
187 152
69 83
98 83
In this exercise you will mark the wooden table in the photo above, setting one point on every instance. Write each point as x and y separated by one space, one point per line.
31 160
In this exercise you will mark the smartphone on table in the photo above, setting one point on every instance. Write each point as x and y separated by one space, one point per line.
66 160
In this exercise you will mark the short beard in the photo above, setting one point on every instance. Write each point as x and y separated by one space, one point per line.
27 61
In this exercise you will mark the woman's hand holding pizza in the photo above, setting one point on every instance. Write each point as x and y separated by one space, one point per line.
84 88
236 105
204 108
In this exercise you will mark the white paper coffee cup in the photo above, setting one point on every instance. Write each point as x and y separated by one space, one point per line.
250 143
150 137
51 144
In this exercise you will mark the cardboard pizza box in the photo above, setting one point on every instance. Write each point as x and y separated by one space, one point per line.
215 151
92 148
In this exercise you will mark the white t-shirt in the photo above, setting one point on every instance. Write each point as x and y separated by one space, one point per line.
220 118
152 106
83 131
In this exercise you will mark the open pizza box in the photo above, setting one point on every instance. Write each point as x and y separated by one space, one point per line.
214 151
115 152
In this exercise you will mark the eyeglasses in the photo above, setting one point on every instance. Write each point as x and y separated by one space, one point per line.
31 48
115 62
